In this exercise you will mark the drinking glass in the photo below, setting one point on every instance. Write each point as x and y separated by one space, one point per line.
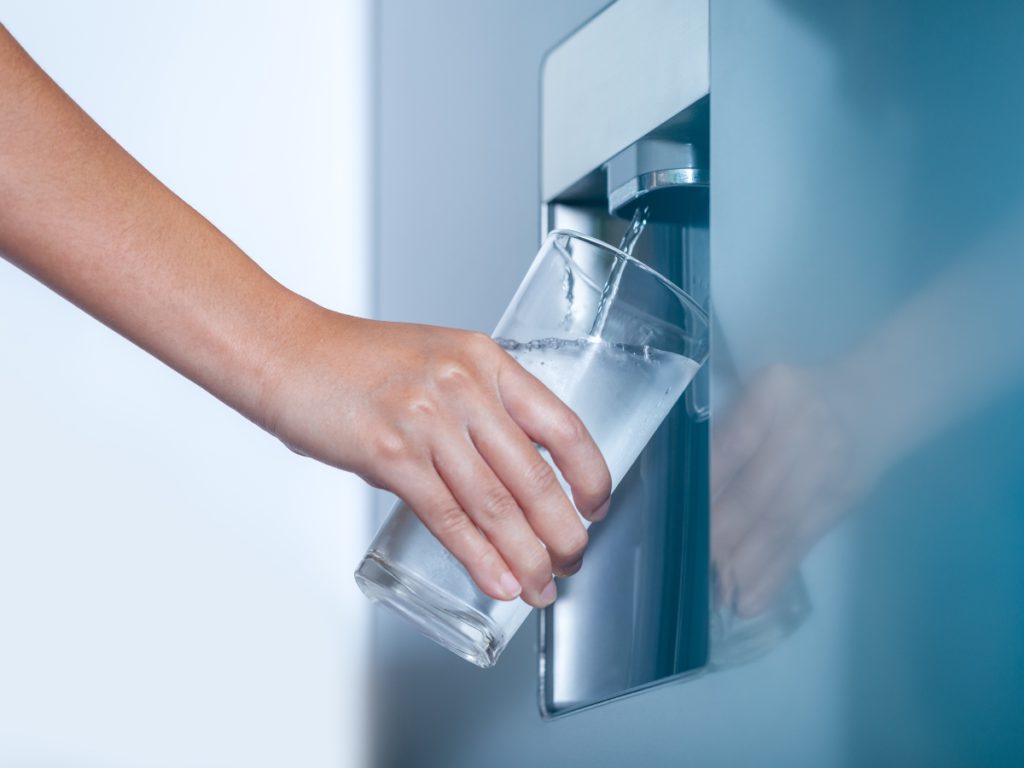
618 343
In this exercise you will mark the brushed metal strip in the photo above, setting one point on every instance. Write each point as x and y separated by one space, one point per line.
631 68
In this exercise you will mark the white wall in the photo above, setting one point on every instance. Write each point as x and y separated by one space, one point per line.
175 586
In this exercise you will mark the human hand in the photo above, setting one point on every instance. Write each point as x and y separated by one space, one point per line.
445 419
448 421
787 462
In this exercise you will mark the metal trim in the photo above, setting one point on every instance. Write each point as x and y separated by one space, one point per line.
648 182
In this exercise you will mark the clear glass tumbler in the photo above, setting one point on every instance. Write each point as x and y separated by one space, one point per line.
618 343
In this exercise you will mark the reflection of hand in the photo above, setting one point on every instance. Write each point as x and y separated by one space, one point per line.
786 465
448 421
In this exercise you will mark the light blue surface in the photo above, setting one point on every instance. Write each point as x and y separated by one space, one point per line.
867 205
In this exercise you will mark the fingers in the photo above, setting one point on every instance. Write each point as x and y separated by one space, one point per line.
445 518
780 528
551 423
497 514
481 486
740 435
536 488
762 567
764 501
766 558
776 544
751 492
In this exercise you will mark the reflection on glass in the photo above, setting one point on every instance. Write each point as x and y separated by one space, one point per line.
735 639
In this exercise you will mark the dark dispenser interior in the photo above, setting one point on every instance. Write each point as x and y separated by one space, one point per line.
636 615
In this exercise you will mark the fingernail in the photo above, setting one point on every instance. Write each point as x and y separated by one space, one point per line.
601 512
549 593
510 586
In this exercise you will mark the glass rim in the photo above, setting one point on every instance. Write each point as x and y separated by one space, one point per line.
616 253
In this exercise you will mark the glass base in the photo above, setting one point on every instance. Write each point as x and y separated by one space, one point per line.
445 620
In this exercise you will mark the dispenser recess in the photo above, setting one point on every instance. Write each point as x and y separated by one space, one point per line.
625 122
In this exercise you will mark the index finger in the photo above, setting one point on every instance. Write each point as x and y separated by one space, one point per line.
551 423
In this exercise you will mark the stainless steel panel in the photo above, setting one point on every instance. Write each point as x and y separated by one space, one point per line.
630 69
636 615
840 135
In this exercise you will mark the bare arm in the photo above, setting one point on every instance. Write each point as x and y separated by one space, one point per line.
407 407
803 444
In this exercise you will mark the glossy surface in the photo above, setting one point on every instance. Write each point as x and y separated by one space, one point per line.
617 343
637 614
865 161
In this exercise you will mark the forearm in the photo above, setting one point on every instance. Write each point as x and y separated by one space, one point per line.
804 444
444 418
81 215
947 351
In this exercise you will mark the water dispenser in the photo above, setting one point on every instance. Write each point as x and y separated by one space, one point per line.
637 614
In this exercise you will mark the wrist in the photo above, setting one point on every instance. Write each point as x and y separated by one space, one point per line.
293 363
282 340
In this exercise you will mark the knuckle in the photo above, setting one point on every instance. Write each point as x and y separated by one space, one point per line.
497 506
421 407
486 561
569 430
574 544
480 343
451 375
537 563
540 477
600 484
451 520
453 379
389 446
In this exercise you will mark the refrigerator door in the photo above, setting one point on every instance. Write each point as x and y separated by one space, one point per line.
637 615
866 210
